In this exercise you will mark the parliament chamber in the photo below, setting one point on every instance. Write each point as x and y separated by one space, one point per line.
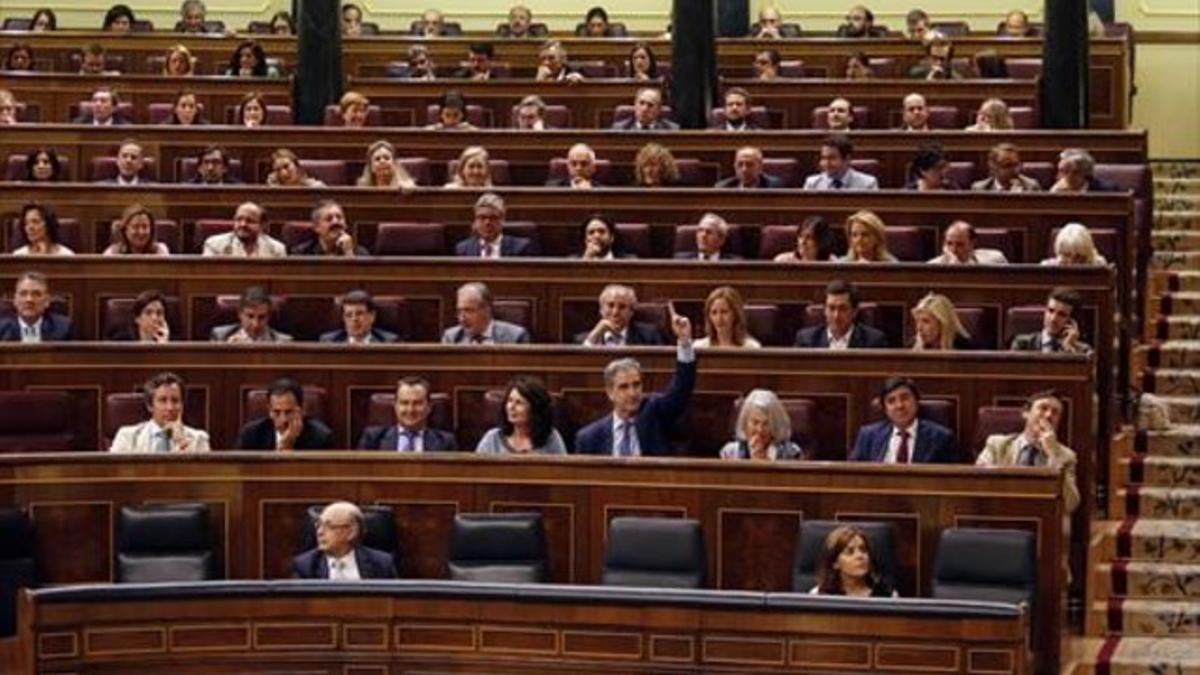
141 529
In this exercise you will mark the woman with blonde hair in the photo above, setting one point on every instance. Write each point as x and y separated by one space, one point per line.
655 166
179 62
473 170
763 430
725 320
868 239
287 172
133 234
993 115
354 109
1074 246
382 169
937 325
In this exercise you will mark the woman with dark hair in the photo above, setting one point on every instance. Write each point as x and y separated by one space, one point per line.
526 422
452 113
814 242
43 20
185 112
43 166
600 239
641 64
858 66
846 567
133 234
249 60
19 58
119 19
595 24
252 111
39 224
148 321
927 171
282 24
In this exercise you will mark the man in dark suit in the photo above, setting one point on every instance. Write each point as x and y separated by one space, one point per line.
711 234
581 168
34 322
489 240
286 427
647 113
358 322
1076 173
131 160
213 167
616 327
737 111
104 111
331 236
903 438
840 330
339 556
479 62
748 172
639 425
411 432
254 320
1060 330
476 325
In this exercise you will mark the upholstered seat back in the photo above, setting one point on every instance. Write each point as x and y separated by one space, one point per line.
498 547
986 564
656 552
165 542
18 565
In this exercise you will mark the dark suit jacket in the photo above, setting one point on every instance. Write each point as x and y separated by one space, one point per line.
654 419
377 335
117 119
55 328
1100 185
386 438
630 124
765 181
1032 342
372 564
259 434
934 443
113 181
695 255
565 182
313 247
861 336
510 247
639 333
748 124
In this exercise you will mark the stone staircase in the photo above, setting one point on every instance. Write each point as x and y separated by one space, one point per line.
1143 614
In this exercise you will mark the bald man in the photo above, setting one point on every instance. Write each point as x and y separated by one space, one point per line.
339 555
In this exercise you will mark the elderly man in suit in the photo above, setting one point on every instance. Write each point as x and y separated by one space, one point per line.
254 320
836 171
358 322
475 322
339 555
711 234
1036 444
286 427
958 248
904 438
488 239
34 322
165 431
647 113
1060 329
581 169
411 432
246 239
748 172
638 424
840 330
616 327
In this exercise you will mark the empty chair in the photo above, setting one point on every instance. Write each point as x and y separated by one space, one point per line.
122 409
1006 240
960 174
165 542
991 420
1023 68
775 239
515 311
986 564
36 421
762 321
1023 117
379 531
1026 319
911 244
18 565
786 169
811 547
328 171
205 228
980 322
635 238
867 165
654 552
944 117
410 239
497 547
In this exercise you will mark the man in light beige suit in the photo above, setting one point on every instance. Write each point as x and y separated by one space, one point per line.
1036 445
164 432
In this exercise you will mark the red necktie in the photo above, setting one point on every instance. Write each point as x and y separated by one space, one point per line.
902 451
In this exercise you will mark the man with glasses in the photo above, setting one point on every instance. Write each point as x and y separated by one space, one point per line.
340 555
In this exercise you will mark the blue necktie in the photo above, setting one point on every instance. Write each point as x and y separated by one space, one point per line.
162 443
408 441
625 446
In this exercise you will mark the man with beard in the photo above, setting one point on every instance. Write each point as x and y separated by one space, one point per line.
246 240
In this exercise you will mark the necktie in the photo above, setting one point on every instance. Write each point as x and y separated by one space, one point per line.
1055 345
408 441
612 339
1027 456
902 451
162 443
477 339
337 569
836 183
625 446
488 250
28 333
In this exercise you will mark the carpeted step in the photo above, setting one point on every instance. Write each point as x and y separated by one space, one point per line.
1144 539
1155 501
1176 186
1143 617
1181 440
1177 328
1183 409
1175 260
1146 579
1175 240
1177 220
1183 281
1171 381
1141 656
1155 471
1173 353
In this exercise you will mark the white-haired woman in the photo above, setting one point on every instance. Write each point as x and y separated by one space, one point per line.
764 430
1074 246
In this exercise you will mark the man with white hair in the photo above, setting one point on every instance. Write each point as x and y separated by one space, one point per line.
581 168
616 327
711 234
476 325
1076 173
340 555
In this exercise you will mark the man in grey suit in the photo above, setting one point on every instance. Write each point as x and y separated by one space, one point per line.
254 320
836 173
475 323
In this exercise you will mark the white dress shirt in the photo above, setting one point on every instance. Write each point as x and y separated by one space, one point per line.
31 333
839 343
344 568
894 443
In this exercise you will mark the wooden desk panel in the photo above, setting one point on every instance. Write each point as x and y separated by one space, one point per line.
749 512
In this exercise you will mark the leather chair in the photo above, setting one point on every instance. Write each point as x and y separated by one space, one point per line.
558 169
791 69
476 115
862 117
654 552
165 542
498 548
498 167
411 239
31 113
635 238
329 171
911 244
157 113
694 173
884 67
992 420
762 321
515 311
185 169
944 117
277 115
333 116
1023 68
685 240
596 69
989 565
18 565
1023 117
380 531
811 548
1026 319
121 409
417 168
117 317
981 323
70 234
786 169
524 228
205 228
961 174
952 28
554 116
256 403
36 421
105 168
16 23
15 169
1008 241
1044 172
295 232
757 115
868 165
775 239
